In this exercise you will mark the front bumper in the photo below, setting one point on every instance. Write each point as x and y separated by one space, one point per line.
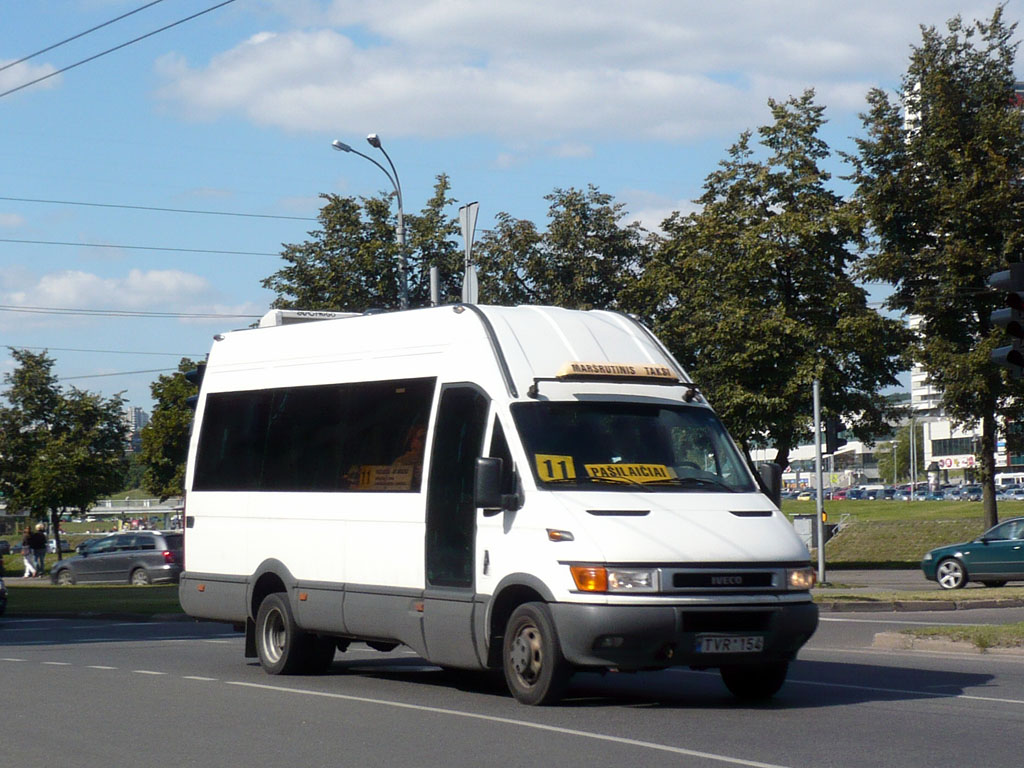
654 637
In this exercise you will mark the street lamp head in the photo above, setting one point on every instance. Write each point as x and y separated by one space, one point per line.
341 146
374 140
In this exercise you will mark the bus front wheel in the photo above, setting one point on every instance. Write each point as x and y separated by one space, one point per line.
535 670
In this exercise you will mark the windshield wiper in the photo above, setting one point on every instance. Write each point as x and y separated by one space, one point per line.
621 480
695 481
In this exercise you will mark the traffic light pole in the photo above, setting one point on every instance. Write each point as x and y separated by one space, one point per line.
820 497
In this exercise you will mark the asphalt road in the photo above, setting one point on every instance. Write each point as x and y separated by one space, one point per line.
102 693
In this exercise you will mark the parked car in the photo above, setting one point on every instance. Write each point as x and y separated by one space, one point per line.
971 493
138 557
65 546
995 557
5 547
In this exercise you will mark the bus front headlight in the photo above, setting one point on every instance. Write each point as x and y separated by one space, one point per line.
801 578
599 578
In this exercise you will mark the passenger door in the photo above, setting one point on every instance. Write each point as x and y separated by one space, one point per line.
450 526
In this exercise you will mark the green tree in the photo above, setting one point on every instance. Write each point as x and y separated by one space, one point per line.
584 259
942 183
165 438
58 450
351 263
753 293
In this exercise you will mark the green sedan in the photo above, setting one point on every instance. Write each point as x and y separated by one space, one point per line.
994 558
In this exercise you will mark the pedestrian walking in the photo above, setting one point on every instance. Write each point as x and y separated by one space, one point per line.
37 541
27 557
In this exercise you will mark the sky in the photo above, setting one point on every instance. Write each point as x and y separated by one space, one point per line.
164 177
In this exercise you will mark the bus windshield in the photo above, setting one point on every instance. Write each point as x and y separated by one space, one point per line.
629 446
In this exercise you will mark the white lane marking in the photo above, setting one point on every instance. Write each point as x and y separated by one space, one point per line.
147 672
902 621
8 658
200 678
56 663
520 723
99 666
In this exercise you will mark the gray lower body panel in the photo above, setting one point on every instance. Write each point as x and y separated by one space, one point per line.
652 637
222 598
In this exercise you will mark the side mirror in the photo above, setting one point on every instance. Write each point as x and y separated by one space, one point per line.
771 481
487 493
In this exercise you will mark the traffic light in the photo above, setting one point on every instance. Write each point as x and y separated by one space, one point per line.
1011 283
833 426
195 377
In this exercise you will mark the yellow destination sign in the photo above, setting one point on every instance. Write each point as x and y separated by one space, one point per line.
385 477
630 473
576 369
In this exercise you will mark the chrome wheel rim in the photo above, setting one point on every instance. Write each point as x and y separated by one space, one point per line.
273 636
951 574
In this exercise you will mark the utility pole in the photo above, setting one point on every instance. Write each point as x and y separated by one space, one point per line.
820 495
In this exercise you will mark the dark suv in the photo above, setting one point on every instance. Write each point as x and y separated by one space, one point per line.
136 557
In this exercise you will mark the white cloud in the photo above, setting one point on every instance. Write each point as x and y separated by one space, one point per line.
138 290
11 220
26 72
570 72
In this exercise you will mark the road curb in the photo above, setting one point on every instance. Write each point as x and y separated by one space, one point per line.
897 641
843 606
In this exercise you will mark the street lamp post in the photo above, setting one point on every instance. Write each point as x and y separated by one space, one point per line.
403 276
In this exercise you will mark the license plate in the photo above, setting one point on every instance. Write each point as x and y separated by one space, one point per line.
730 644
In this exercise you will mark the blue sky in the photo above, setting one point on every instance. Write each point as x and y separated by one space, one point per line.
234 112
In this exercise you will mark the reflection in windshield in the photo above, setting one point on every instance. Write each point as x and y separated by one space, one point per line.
631 446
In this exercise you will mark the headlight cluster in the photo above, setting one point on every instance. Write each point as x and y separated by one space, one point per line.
598 578
801 578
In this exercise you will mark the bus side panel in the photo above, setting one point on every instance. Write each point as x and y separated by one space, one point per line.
378 613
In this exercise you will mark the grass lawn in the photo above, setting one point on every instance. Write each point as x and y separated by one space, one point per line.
989 636
895 534
26 600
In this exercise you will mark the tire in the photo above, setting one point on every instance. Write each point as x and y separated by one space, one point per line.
755 682
998 583
951 574
139 578
535 670
65 577
282 648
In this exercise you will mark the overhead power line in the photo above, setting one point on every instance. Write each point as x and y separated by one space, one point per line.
163 210
120 312
115 48
103 351
134 247
75 37
119 373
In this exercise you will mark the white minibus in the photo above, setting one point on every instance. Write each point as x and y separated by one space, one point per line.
527 489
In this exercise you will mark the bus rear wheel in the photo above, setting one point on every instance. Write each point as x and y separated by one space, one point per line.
280 644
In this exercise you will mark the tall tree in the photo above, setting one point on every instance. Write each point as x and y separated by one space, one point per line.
942 183
753 293
584 259
165 437
58 450
352 262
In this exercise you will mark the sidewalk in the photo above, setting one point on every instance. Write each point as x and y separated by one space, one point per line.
846 585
